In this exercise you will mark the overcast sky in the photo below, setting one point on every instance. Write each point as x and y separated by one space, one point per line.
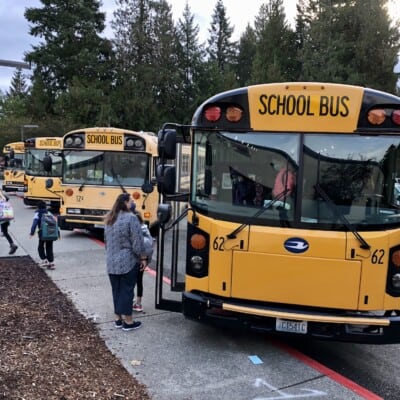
15 39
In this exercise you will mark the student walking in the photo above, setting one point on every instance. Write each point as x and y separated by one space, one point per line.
124 252
4 227
148 250
45 247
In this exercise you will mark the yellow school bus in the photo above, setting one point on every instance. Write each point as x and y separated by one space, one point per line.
293 224
38 152
99 164
14 167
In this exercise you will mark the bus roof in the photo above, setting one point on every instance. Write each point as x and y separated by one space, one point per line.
301 106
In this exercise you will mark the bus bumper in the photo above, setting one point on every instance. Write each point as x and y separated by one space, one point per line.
314 323
70 223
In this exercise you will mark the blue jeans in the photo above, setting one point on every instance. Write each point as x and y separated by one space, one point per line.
122 291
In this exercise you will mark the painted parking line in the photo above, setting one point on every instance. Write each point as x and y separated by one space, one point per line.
342 380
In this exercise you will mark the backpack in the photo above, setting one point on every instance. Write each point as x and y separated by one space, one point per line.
148 242
48 227
6 211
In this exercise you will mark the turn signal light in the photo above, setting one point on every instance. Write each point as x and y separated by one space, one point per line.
234 114
198 241
136 195
376 117
69 192
396 258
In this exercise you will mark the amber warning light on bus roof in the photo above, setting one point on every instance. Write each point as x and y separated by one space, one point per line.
232 113
379 115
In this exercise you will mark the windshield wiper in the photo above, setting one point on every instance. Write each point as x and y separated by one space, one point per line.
364 245
233 234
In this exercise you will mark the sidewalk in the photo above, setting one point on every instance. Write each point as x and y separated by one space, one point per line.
175 358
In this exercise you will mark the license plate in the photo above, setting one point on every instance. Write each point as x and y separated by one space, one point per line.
284 325
99 226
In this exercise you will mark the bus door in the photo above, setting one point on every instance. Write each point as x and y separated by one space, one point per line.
172 238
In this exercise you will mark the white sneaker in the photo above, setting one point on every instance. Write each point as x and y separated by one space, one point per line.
43 263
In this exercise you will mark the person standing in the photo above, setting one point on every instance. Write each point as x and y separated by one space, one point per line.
124 253
4 228
148 246
45 247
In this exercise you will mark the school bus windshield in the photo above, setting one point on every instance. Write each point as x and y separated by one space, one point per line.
344 175
106 168
34 162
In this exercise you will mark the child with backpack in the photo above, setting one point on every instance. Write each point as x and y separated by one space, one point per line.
148 245
46 223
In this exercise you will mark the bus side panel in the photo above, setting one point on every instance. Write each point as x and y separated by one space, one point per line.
296 279
374 267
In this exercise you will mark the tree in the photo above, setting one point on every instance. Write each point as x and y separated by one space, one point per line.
133 100
71 53
246 55
275 49
191 55
221 52
344 41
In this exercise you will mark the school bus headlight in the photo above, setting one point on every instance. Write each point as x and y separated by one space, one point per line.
377 116
198 241
212 114
396 117
196 263
234 114
396 281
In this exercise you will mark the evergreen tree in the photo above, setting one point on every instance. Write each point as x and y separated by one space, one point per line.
275 50
70 56
18 85
191 55
133 100
221 52
246 55
344 40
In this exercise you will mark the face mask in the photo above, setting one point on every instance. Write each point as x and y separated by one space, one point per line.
133 207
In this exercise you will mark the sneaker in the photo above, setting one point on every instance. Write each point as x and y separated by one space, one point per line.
13 248
51 266
137 307
43 263
118 323
132 326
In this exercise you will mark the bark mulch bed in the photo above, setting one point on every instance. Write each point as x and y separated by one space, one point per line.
48 349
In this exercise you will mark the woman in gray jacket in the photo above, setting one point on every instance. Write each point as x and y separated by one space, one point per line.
124 250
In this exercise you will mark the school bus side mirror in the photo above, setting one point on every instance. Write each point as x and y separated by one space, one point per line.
163 213
47 163
167 144
166 179
147 187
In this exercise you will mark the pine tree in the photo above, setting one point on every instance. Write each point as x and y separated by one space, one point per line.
221 52
191 55
18 85
246 55
71 57
275 50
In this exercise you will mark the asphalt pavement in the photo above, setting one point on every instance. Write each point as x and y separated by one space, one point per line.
175 358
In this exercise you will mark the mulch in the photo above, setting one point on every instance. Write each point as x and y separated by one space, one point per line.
48 349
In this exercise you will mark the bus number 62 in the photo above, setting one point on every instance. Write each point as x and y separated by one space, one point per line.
218 243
